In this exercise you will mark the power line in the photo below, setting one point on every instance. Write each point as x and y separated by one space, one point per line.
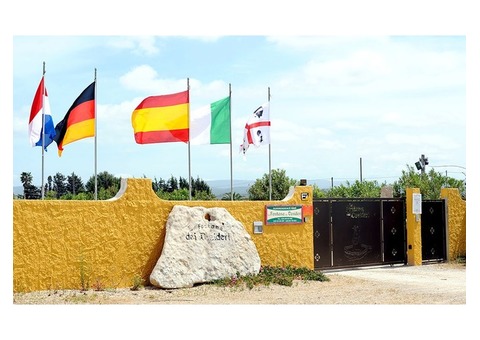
448 166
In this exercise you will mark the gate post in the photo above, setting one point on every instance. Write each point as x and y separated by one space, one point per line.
456 223
414 231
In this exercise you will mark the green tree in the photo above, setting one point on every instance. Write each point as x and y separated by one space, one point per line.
236 196
107 193
26 178
183 183
30 191
51 195
107 185
75 184
430 184
176 190
281 184
199 185
172 184
319 193
158 185
84 196
363 189
175 195
59 184
203 196
49 183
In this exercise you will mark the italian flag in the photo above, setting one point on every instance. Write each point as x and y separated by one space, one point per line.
211 124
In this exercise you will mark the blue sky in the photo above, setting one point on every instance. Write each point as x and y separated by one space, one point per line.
381 81
334 100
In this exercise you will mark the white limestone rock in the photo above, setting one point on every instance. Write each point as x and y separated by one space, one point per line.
201 245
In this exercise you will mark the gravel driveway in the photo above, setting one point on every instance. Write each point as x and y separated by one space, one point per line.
426 284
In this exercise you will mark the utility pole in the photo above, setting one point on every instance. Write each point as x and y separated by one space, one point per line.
422 162
361 180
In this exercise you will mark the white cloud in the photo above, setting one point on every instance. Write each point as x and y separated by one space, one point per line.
367 66
145 79
53 50
318 42
205 38
358 69
141 45
20 121
205 93
121 131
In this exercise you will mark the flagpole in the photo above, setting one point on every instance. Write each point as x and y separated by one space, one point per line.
189 164
43 133
96 119
270 152
231 163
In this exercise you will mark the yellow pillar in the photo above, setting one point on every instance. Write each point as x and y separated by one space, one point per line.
414 231
456 223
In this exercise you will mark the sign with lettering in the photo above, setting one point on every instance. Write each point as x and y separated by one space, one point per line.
417 203
211 232
283 214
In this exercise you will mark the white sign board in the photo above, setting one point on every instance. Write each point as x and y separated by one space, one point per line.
283 214
417 204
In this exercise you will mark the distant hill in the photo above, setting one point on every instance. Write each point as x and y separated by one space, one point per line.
222 186
324 183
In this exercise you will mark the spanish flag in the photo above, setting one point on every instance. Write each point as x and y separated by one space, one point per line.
162 119
79 122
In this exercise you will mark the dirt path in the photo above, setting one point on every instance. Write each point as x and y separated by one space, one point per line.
431 284
420 302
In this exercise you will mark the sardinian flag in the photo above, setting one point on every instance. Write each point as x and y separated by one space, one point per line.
257 128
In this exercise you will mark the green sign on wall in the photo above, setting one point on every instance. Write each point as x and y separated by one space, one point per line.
283 214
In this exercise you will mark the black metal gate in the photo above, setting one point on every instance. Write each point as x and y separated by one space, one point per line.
433 230
359 232
394 232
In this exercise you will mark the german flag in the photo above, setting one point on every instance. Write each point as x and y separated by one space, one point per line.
162 119
79 122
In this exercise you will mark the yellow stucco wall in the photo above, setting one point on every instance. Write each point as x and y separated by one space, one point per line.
414 230
456 224
75 244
